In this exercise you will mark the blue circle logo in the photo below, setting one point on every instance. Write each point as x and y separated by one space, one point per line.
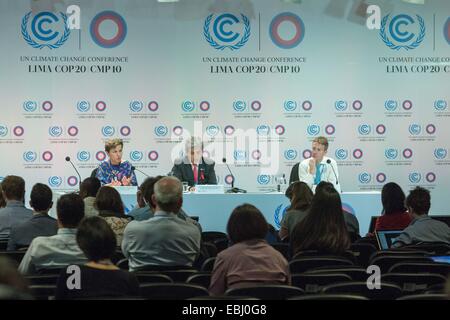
391 153
212 130
54 181
290 154
161 131
83 156
3 130
263 130
341 105
136 155
55 131
313 130
415 129
364 129
400 35
364 177
440 153
263 179
187 106
390 105
440 105
239 106
108 131
290 105
239 155
30 106
341 154
83 106
29 156
224 35
136 106
44 26
415 177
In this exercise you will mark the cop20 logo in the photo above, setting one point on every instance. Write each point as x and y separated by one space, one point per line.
263 179
222 36
399 37
44 30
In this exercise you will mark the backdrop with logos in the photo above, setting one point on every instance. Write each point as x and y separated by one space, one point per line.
258 80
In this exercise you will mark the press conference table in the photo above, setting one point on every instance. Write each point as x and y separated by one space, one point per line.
214 210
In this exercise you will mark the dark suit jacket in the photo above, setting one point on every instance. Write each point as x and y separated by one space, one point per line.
182 169
294 173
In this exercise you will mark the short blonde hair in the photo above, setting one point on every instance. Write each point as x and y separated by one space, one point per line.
323 141
113 143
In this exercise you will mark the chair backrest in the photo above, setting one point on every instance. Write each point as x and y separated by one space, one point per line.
387 291
153 278
171 291
315 253
16 256
43 291
42 279
200 279
3 244
426 296
421 267
123 264
266 291
373 221
283 248
208 265
329 296
355 273
118 256
414 282
50 271
437 248
386 262
313 283
362 252
304 264
210 236
176 275
221 244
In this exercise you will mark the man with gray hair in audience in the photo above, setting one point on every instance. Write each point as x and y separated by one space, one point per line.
164 240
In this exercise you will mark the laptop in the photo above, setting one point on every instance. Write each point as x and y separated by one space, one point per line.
385 238
441 259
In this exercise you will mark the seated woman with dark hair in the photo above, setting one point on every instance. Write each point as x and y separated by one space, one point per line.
324 227
301 197
250 260
394 215
99 277
110 207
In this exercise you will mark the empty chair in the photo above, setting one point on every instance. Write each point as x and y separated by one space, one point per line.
211 236
313 283
201 279
413 282
362 252
421 267
153 278
266 291
171 291
304 264
386 262
387 291
356 273
325 296
436 296
208 265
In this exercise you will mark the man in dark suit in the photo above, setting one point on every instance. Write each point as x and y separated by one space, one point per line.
193 168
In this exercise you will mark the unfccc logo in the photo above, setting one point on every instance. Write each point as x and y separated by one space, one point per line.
55 131
391 154
342 105
278 26
364 129
290 154
3 130
365 177
290 105
415 129
83 106
212 130
263 179
341 154
54 181
392 105
29 156
136 106
224 34
263 130
161 131
313 130
400 37
136 155
187 106
415 177
108 131
83 156
440 153
30 106
46 29
440 105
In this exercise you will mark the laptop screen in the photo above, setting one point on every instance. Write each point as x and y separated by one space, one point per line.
386 238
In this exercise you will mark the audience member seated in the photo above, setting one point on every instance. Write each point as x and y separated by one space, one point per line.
61 249
13 191
12 283
2 200
110 207
250 260
40 225
324 227
99 277
394 216
147 207
88 191
164 239
300 197
422 228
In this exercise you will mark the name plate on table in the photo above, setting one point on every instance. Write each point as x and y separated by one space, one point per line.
209 188
126 189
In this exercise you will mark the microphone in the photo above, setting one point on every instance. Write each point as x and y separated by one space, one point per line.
335 175
133 168
233 189
79 176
